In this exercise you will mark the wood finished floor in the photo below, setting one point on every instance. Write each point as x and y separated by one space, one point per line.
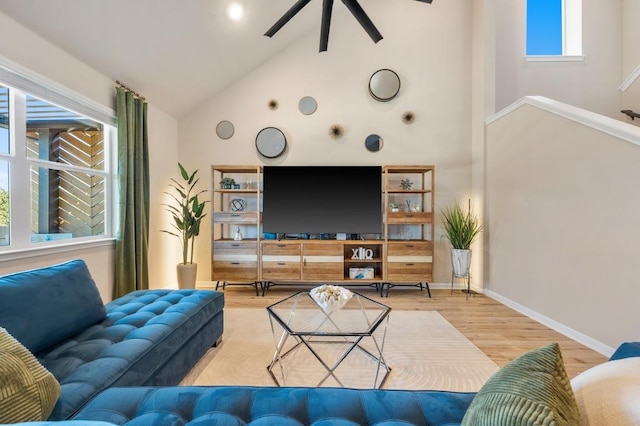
500 332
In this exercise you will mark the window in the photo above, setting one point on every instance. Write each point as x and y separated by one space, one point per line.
55 172
4 166
554 27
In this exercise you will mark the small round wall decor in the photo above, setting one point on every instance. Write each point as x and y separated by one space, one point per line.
237 205
408 117
373 143
225 129
336 131
307 105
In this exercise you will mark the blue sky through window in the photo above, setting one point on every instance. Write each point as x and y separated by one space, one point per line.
544 27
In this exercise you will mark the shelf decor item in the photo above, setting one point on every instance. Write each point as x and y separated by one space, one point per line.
187 214
361 273
227 183
237 205
406 184
461 229
330 297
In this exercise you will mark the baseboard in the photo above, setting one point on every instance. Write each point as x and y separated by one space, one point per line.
554 325
456 286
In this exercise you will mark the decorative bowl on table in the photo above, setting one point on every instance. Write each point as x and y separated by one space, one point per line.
330 297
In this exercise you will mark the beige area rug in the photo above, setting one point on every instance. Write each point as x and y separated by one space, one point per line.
423 350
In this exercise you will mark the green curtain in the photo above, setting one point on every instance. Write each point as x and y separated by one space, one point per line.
132 239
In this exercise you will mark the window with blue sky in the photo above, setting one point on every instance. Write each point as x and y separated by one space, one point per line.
554 28
544 27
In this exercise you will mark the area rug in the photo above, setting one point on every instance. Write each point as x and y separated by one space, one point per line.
423 350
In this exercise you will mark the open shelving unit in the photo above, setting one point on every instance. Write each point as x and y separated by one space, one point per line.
236 209
409 231
401 255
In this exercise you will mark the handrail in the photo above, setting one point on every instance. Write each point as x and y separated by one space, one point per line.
629 80
602 123
630 113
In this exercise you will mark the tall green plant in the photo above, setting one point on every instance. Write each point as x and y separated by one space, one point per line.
461 228
187 213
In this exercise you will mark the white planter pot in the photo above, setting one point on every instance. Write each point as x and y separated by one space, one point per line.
187 275
461 261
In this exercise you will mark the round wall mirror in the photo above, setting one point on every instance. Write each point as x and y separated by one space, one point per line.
271 142
373 143
307 105
384 85
225 129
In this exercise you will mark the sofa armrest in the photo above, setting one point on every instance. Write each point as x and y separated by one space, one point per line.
626 350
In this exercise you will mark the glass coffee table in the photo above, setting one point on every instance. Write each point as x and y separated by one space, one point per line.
340 348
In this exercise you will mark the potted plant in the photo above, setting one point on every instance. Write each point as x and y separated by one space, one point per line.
187 213
395 207
227 183
461 229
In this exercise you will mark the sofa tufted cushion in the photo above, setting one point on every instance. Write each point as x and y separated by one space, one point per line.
532 389
44 306
229 405
608 393
149 337
28 391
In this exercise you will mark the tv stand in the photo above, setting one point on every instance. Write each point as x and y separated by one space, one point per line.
401 256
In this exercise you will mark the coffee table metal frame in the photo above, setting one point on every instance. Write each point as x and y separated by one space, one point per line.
341 334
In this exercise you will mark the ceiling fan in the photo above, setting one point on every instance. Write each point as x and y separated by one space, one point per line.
327 6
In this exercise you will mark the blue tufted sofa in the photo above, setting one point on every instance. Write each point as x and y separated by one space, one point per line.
145 338
256 406
153 404
267 406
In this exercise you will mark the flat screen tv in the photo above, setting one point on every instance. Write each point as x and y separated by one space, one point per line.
322 199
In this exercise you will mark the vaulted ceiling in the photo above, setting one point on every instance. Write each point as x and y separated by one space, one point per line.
177 53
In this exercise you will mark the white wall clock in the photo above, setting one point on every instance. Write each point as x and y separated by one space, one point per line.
271 142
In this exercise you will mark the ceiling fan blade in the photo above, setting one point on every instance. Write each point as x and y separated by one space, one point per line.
286 17
327 7
425 1
361 16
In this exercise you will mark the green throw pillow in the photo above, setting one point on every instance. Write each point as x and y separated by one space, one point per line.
28 392
533 389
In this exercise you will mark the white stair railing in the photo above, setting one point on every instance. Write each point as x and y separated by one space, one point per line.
630 80
617 128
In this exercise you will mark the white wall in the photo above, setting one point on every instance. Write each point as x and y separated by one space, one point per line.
163 152
483 106
429 46
563 214
631 55
27 49
592 84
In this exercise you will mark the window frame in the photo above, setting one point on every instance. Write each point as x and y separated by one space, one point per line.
572 46
22 83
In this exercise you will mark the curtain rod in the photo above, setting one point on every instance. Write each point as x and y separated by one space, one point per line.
130 90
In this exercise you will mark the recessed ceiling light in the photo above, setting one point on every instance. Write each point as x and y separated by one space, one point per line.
235 11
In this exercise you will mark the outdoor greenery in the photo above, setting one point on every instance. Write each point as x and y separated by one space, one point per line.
461 228
4 207
187 213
